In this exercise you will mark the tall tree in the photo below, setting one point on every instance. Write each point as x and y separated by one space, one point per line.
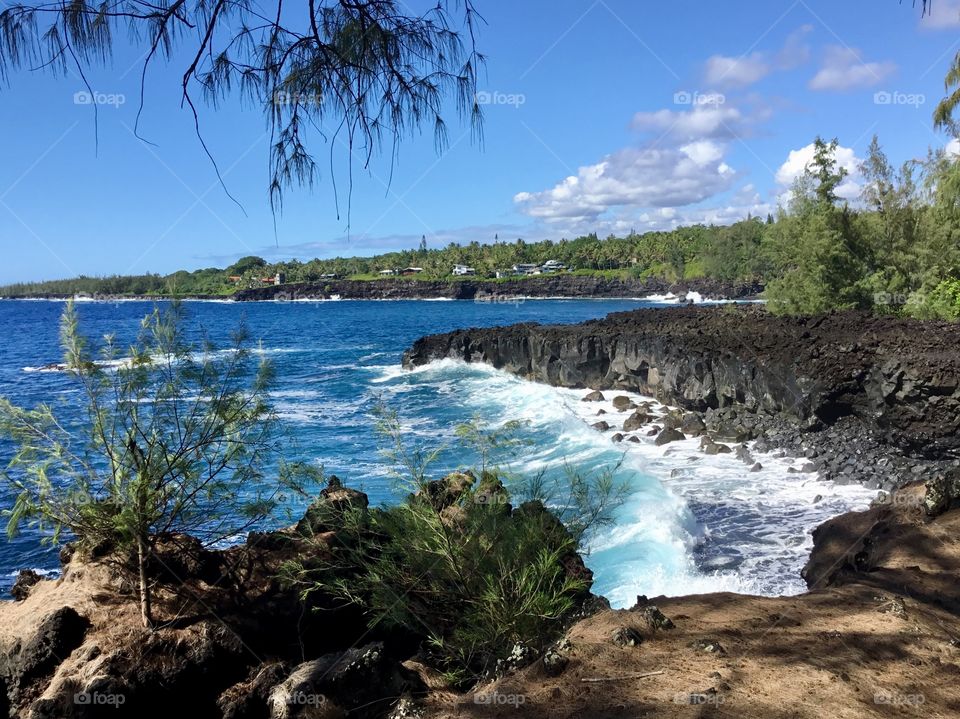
816 244
825 172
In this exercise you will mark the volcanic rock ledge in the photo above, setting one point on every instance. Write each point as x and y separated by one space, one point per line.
869 386
544 286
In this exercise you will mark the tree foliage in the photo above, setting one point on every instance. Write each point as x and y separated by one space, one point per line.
178 439
354 72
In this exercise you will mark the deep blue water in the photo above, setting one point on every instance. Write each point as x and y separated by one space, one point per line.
710 526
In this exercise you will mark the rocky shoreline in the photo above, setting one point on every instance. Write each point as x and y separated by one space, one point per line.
564 286
543 287
877 628
866 399
567 286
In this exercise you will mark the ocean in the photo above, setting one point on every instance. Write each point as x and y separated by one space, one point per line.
690 523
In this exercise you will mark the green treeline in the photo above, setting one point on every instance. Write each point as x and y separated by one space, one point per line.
896 249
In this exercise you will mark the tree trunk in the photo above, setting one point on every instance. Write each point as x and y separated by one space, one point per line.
146 611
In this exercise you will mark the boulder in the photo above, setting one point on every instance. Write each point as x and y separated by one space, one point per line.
298 698
445 492
327 512
710 646
622 403
617 438
627 637
636 420
672 419
942 493
716 448
595 396
668 435
652 615
26 578
520 656
317 689
600 426
733 431
58 634
756 467
633 438
554 662
250 697
692 425
491 492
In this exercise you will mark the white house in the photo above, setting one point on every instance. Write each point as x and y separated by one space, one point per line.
553 266
463 270
526 270
387 272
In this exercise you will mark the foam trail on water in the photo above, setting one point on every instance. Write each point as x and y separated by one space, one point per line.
654 533
692 523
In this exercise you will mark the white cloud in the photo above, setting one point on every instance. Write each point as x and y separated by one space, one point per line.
844 69
796 51
746 70
944 15
703 152
649 177
953 148
736 71
365 244
746 202
798 160
700 123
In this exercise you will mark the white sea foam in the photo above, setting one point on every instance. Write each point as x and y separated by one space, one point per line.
693 523
759 523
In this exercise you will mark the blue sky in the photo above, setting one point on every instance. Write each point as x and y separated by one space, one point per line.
600 116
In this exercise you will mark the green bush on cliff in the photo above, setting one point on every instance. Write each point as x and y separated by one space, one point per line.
458 566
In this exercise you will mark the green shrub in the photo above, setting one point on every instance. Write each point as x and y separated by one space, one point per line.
943 302
461 568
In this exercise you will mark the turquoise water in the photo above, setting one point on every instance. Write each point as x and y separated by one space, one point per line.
691 523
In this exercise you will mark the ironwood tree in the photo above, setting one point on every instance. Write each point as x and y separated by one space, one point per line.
366 73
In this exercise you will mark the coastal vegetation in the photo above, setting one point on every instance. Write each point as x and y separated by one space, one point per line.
482 567
177 439
894 249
